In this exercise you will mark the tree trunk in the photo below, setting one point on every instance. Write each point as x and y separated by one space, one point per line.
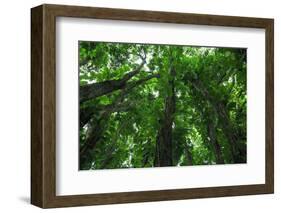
220 110
214 142
94 134
188 154
229 131
163 155
96 128
86 115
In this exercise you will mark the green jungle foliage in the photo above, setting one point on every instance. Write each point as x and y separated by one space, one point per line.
161 105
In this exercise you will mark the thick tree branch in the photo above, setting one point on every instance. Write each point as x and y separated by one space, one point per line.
131 85
86 114
95 90
131 74
95 130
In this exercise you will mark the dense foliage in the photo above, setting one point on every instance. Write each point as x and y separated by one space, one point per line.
161 105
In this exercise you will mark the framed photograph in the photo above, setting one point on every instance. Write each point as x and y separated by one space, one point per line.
135 106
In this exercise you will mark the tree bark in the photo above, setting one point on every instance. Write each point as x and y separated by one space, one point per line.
163 155
229 131
214 142
95 90
97 128
220 110
87 113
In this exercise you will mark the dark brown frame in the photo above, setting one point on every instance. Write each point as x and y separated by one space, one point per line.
43 105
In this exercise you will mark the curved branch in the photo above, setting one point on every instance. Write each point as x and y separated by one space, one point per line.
95 90
96 131
87 113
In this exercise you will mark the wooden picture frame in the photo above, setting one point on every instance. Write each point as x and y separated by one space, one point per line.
43 105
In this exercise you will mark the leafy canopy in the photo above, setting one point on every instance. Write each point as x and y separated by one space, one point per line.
122 128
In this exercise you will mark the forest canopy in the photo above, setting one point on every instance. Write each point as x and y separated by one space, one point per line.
146 105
